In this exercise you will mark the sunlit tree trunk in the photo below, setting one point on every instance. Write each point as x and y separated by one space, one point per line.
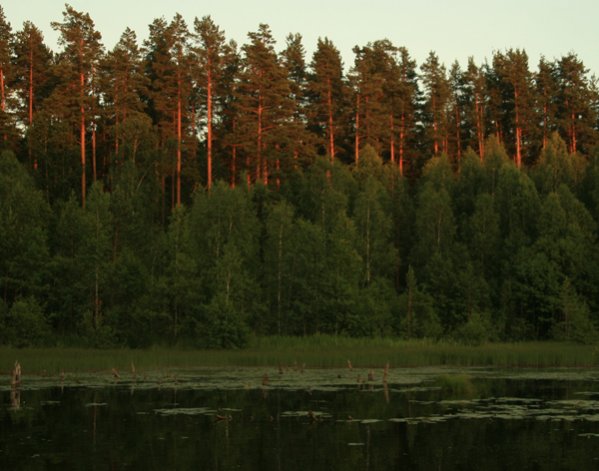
545 124
82 140
93 126
233 164
30 84
573 132
260 161
117 119
94 162
402 137
2 93
179 141
458 132
435 127
209 124
518 131
479 127
357 137
392 139
331 126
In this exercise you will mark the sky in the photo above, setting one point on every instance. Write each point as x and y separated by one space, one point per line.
454 29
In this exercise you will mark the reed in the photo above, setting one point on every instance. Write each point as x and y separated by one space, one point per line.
312 352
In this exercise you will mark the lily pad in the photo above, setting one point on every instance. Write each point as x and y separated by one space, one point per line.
185 411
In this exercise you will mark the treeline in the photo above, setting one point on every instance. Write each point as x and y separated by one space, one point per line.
491 252
191 191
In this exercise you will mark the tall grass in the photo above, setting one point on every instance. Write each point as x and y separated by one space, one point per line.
320 351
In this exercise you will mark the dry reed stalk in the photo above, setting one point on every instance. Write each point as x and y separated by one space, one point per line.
16 375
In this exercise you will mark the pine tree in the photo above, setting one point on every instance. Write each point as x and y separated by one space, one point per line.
436 87
577 104
516 80
388 113
495 110
6 38
168 68
226 131
79 63
296 140
210 52
368 77
33 62
408 95
180 57
263 103
546 82
456 101
124 85
326 94
475 106
293 59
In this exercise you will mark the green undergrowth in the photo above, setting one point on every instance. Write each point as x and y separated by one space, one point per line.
307 352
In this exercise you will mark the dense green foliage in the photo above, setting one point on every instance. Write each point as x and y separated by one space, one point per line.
190 192
337 250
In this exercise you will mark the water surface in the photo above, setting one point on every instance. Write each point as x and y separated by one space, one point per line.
300 419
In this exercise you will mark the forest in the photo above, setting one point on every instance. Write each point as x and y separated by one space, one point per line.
187 190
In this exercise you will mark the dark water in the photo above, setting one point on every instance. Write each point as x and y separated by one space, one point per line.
319 420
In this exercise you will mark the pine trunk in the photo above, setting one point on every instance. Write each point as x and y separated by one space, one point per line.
402 137
248 174
179 139
435 127
331 127
233 169
209 126
163 197
458 136
279 278
573 118
278 169
30 85
116 122
94 166
368 248
518 131
410 309
479 128
82 141
2 96
545 124
357 138
392 139
233 165
261 169
34 163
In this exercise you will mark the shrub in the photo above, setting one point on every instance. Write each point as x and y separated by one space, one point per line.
25 324
476 331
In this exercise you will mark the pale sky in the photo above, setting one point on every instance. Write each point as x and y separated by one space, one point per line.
454 29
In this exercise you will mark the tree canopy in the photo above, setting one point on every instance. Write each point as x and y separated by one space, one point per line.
251 189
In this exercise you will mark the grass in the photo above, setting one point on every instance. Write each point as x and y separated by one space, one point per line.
321 351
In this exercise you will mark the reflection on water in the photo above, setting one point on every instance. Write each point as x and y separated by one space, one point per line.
321 420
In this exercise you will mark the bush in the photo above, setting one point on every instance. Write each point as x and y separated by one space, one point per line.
225 327
25 325
476 331
576 324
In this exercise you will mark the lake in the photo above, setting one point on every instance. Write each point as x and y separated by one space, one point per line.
304 419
